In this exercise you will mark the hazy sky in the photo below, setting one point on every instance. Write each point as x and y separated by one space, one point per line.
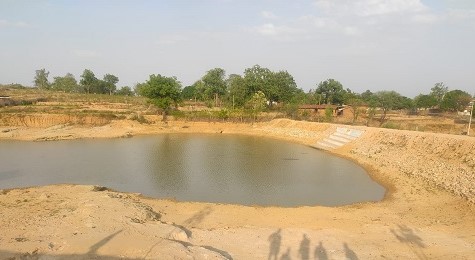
402 45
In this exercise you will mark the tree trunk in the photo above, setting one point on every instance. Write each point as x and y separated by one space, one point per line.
165 115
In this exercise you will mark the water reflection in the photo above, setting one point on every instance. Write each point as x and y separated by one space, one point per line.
213 168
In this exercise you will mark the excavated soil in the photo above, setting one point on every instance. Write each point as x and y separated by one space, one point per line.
427 213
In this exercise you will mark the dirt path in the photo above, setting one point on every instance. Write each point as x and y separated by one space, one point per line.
425 215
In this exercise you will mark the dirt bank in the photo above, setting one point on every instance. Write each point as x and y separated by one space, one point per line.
427 214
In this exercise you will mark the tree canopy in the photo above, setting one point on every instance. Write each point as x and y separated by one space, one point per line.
332 91
67 83
455 100
111 82
387 100
425 101
88 80
41 79
438 92
162 92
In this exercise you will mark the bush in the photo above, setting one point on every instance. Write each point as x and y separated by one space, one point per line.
139 118
223 114
328 114
390 125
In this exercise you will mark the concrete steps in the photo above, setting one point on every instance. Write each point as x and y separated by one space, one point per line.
340 137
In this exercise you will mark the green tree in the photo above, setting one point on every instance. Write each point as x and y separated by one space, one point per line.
311 97
387 100
237 92
282 87
125 91
257 103
41 79
438 92
329 114
111 82
455 100
162 92
138 88
405 103
67 83
425 101
99 87
367 96
188 92
355 102
257 79
213 85
332 91
88 81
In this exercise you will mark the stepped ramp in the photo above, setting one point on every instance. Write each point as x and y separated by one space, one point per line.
338 138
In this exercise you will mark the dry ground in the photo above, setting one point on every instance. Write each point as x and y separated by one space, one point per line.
428 211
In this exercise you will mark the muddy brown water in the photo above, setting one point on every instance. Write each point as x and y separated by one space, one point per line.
206 168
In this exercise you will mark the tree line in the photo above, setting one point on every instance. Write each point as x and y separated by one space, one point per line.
88 83
258 88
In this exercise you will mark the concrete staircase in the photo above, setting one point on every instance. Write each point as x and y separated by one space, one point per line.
340 137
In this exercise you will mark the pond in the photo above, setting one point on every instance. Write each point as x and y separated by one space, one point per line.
206 168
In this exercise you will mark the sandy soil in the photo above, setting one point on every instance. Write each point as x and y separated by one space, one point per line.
428 212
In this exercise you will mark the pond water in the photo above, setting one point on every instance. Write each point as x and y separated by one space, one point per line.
207 168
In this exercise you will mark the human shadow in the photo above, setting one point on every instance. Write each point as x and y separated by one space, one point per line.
350 254
93 249
304 250
199 216
407 236
320 252
275 240
286 255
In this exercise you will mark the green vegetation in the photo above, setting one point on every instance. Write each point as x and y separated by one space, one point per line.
162 92
41 79
258 94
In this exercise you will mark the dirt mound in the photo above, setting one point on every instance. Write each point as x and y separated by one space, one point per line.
48 120
447 161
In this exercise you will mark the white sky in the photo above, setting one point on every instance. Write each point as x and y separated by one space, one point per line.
402 45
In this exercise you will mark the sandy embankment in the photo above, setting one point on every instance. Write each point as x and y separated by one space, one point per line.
428 213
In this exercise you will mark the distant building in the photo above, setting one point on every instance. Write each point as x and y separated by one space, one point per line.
320 109
6 101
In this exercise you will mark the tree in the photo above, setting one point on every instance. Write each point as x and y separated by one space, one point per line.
67 83
214 84
188 92
100 87
41 79
281 88
332 91
387 100
455 100
125 91
355 103
237 92
438 92
257 103
162 92
425 101
138 88
111 82
367 96
88 81
312 97
257 79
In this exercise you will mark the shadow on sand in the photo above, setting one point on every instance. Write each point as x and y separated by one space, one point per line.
408 237
319 253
